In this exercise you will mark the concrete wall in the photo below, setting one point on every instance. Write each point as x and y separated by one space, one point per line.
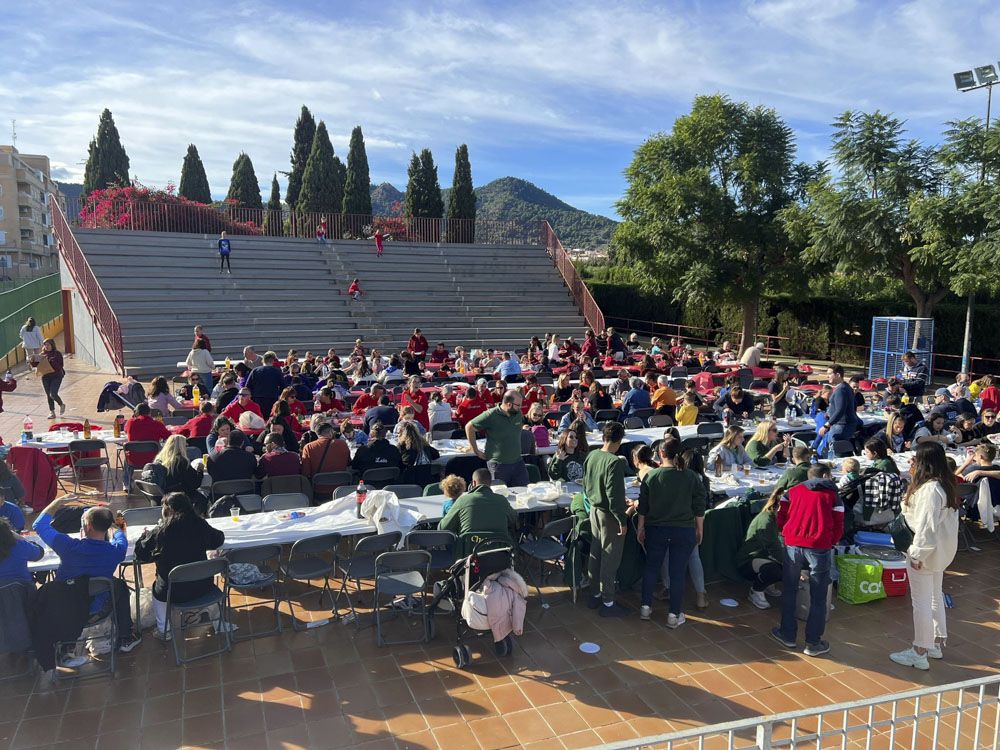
87 342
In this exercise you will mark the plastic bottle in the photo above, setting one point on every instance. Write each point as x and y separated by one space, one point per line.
229 363
7 376
362 493
718 466
86 429
119 419
29 429
196 397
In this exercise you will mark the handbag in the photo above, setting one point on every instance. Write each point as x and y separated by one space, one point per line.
901 533
44 367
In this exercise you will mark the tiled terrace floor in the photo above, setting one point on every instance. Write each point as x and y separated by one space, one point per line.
332 687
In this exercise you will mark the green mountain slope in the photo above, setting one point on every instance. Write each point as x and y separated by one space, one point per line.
386 200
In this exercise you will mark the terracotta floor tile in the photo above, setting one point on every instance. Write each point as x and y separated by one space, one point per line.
541 693
508 698
586 738
417 741
330 733
563 718
455 736
528 726
553 743
475 705
203 729
492 733
161 736
406 721
617 732
289 738
595 713
244 719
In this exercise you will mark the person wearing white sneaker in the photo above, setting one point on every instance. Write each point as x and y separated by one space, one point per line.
51 365
758 559
930 509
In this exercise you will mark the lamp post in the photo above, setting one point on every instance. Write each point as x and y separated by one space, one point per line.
983 77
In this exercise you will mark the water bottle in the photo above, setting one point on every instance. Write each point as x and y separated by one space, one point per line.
7 376
196 396
119 421
86 429
29 428
229 363
361 492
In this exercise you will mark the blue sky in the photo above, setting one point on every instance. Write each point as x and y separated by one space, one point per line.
557 93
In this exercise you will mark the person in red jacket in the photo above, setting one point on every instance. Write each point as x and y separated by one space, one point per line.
142 427
483 392
589 348
6 386
470 407
440 354
200 425
367 400
416 398
533 393
354 290
811 521
417 345
199 335
244 402
378 243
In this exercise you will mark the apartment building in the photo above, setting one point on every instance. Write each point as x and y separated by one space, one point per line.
27 246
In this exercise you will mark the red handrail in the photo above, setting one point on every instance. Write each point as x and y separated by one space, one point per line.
90 289
581 294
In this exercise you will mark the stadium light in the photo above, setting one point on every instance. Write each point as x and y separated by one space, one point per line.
986 75
965 80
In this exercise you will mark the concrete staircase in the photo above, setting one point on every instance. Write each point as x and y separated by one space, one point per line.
289 293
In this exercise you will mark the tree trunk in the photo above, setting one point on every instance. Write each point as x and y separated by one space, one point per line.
749 323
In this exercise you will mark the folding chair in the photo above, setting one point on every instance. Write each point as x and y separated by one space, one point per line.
122 467
96 587
361 564
307 562
343 491
80 463
440 544
233 487
174 421
548 547
534 473
327 479
251 503
379 478
642 415
404 491
710 429
965 491
285 501
267 558
633 423
843 448
402 573
661 420
203 570
434 488
463 466
287 483
152 492
678 372
694 444
608 415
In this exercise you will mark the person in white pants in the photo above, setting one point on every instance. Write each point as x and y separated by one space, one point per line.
930 509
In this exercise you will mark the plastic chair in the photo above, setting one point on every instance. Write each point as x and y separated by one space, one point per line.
203 570
843 448
608 415
678 372
233 487
267 558
152 492
806 436
710 429
642 415
286 483
361 564
174 421
548 546
694 444
380 477
122 464
343 491
402 573
633 423
96 587
661 420
251 503
434 488
142 516
285 501
965 491
307 562
327 479
441 545
404 491
534 474
463 466
80 463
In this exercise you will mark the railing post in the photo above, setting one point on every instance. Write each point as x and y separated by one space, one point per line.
764 735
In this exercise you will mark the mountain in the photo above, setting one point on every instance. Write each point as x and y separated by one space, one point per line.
386 200
70 190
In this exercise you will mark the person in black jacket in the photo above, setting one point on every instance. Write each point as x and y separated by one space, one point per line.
181 476
385 413
181 537
416 455
266 383
378 454
228 392
235 462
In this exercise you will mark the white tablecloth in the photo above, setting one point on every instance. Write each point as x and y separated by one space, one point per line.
61 439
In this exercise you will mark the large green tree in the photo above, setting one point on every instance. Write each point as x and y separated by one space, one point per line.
701 208
357 185
107 162
434 203
194 181
413 200
244 189
305 131
273 218
322 183
462 200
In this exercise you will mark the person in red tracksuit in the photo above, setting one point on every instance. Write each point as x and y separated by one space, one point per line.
811 521
470 407
354 290
378 243
416 398
201 425
417 345
141 427
368 400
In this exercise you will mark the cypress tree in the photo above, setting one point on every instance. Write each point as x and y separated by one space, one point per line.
243 187
107 162
305 131
194 181
273 219
274 203
433 204
413 201
321 192
462 200
357 183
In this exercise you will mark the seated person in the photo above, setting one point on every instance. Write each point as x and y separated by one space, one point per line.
567 463
234 462
852 472
326 401
965 430
378 454
183 536
243 403
730 450
407 416
438 410
277 459
988 424
798 472
201 425
767 447
980 464
933 430
778 389
15 554
895 436
351 435
91 554
687 412
141 427
181 476
691 387
415 453
439 355
578 412
194 384
221 428
664 398
877 452
452 487
481 509
326 453
472 405
385 413
637 398
11 493
621 386
598 398
367 400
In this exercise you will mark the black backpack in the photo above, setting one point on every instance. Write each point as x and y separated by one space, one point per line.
224 506
154 473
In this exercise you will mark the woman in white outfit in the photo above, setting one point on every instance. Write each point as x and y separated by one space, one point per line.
31 338
930 508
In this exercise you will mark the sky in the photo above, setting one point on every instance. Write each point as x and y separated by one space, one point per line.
560 94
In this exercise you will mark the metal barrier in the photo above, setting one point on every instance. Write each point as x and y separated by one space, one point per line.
955 715
581 294
89 288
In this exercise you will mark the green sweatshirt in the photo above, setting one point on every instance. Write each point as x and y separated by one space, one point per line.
886 464
758 453
569 469
793 475
672 497
761 541
482 509
604 482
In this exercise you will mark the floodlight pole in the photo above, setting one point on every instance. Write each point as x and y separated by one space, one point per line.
971 304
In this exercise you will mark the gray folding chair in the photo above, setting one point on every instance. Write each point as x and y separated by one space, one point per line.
710 429
286 483
285 501
80 463
307 562
203 570
142 516
404 491
549 546
329 479
361 564
379 478
343 491
233 487
441 545
96 587
661 420
267 558
403 574
121 457
152 492
966 492
251 503
633 423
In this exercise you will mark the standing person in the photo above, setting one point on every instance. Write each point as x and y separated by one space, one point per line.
930 508
502 425
416 398
31 339
266 383
54 378
604 486
914 375
417 345
199 360
811 521
224 251
672 502
199 334
378 243
841 415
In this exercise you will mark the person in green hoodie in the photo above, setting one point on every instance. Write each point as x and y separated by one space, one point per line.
759 558
767 447
798 472
481 509
604 486
877 452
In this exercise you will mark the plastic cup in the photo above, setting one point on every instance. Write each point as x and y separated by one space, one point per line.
204 459
234 513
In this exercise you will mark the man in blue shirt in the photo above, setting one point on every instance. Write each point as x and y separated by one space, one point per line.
637 398
508 366
578 412
842 416
91 554
224 250
266 384
385 413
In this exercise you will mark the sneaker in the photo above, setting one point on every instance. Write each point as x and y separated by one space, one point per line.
163 636
129 643
675 621
910 658
72 661
773 590
758 600
645 611
225 627
663 595
935 653
615 610
776 635
816 649
701 600
595 602
62 409
52 415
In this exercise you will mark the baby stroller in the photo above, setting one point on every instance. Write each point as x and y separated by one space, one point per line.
489 556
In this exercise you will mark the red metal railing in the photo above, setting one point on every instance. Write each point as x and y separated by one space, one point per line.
198 218
90 289
584 300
